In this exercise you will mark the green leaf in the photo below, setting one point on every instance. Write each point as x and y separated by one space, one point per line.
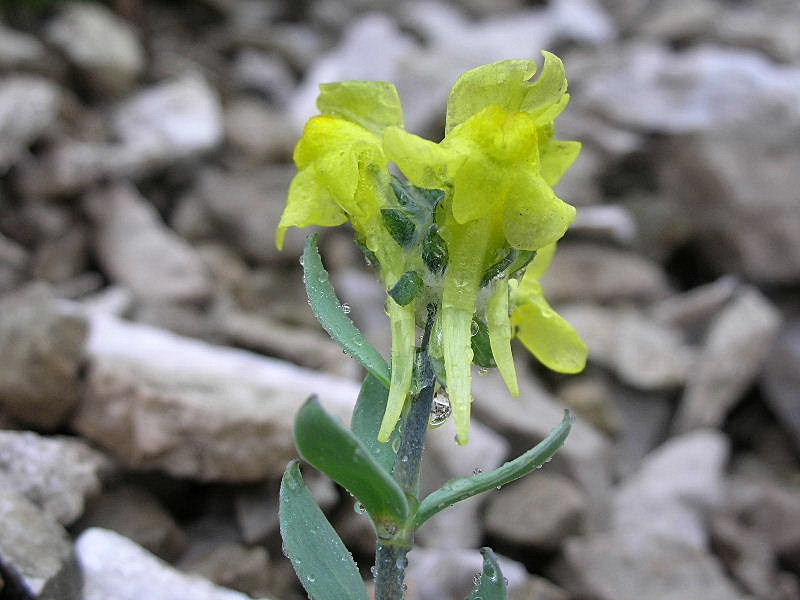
327 445
366 422
462 488
322 563
328 310
407 287
492 585
497 270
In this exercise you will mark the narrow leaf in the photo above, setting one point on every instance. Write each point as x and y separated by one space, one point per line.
328 311
366 422
481 347
462 488
434 252
328 446
399 225
492 585
322 563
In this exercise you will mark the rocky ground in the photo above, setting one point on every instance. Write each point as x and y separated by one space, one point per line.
154 345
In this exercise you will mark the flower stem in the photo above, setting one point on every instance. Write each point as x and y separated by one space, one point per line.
390 554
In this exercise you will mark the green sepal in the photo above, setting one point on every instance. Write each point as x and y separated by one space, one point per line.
462 488
366 422
327 310
322 563
522 260
498 268
328 446
399 225
492 584
416 198
434 251
481 347
407 287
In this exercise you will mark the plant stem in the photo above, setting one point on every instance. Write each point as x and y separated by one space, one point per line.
390 554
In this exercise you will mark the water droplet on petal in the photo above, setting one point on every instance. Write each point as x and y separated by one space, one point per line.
440 410
359 508
345 308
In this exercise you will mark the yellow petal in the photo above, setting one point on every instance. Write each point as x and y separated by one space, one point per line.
403 342
309 203
556 157
499 326
325 135
549 88
479 188
540 263
425 163
374 105
549 337
534 215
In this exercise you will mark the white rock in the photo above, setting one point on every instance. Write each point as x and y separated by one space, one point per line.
35 552
172 121
160 401
57 473
100 44
737 343
29 106
137 250
19 50
115 568
674 489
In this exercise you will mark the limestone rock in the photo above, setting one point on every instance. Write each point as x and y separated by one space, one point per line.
160 401
540 510
115 568
29 106
139 251
58 474
587 272
35 553
232 565
674 489
619 566
781 380
41 352
135 513
736 346
103 47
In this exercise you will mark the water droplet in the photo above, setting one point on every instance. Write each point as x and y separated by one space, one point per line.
395 444
401 562
483 371
405 587
476 579
477 471
311 579
499 487
474 328
345 308
440 410
404 458
373 570
359 508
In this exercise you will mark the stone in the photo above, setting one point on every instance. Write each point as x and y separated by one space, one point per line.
62 258
459 526
433 574
266 74
13 263
592 397
700 89
780 380
588 272
695 307
58 474
115 568
136 514
736 345
29 107
41 353
175 120
631 566
607 223
262 133
20 51
540 511
244 206
641 351
159 401
233 566
137 250
675 488
527 420
749 225
645 418
36 555
100 45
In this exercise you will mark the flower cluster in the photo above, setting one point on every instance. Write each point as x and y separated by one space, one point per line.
471 229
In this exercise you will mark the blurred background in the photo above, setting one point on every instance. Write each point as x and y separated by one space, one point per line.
154 345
